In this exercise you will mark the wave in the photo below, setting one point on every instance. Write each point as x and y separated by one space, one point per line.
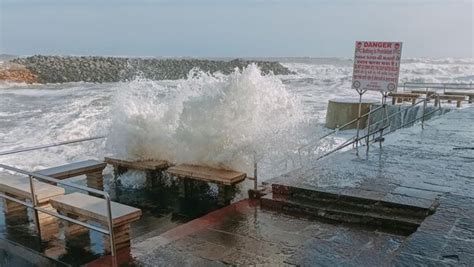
207 119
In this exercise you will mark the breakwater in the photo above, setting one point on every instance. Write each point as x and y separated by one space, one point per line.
58 69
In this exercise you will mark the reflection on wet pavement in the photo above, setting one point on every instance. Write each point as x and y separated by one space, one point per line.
244 233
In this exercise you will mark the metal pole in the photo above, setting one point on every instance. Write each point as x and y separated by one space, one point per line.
255 182
385 118
358 121
2 153
110 224
423 115
368 132
35 204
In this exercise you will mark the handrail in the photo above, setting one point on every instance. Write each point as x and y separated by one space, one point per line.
345 144
368 130
14 151
413 121
355 139
33 175
401 110
338 128
454 86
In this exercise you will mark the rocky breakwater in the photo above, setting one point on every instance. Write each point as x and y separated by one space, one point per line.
17 73
56 69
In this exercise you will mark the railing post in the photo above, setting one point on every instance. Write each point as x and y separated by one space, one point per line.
358 120
35 204
255 172
368 133
423 114
110 224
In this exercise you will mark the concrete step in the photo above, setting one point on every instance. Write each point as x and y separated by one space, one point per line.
340 213
350 202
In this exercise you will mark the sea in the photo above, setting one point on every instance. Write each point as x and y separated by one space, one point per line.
228 121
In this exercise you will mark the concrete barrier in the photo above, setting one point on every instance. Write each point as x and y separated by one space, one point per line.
342 111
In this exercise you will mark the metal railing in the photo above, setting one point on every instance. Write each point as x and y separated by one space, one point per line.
19 150
34 205
354 139
339 128
439 86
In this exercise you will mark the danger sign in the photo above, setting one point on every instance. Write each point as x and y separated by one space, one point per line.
376 66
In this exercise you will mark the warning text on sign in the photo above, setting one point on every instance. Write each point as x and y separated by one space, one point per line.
376 66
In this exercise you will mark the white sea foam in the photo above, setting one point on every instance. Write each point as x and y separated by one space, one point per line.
213 120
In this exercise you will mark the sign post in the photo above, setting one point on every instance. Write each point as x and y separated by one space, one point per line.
376 68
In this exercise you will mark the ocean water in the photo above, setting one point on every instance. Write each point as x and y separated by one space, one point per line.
212 119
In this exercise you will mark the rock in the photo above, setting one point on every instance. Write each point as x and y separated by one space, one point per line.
55 69
17 73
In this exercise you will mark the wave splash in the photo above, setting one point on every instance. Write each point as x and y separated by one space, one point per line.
208 119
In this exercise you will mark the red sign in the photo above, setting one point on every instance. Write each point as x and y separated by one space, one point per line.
376 66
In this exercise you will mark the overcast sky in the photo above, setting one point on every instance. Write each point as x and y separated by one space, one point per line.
233 28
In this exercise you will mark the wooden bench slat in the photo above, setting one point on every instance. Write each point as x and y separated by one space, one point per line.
207 174
95 208
73 169
422 92
20 186
407 95
154 165
452 97
459 93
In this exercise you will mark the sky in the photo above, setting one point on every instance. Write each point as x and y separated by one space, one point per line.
234 28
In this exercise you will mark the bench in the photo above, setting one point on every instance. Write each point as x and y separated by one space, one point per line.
450 98
19 187
225 179
152 168
91 168
428 93
399 97
470 95
89 208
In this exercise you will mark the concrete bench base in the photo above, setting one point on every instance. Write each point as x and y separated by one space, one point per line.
19 187
89 208
48 224
122 237
450 98
13 209
152 168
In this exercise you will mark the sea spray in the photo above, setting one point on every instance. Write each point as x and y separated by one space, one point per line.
208 119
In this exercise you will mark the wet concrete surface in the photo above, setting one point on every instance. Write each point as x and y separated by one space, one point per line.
246 234
415 167
413 163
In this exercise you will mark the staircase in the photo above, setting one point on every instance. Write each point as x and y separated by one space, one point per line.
336 208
